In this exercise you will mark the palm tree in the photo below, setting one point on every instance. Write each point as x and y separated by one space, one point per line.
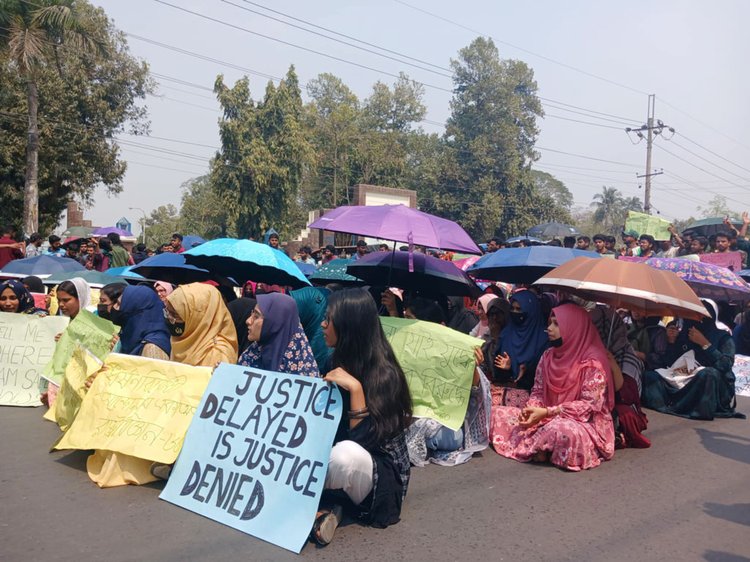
32 33
608 206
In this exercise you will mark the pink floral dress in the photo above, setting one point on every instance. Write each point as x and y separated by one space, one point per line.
579 434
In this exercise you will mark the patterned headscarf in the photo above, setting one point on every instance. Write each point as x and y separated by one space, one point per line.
25 300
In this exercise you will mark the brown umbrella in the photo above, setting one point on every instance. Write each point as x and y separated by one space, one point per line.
630 285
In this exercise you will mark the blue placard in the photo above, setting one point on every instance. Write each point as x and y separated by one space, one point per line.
256 453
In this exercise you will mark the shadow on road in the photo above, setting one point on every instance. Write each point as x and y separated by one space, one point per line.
76 459
726 445
718 556
737 513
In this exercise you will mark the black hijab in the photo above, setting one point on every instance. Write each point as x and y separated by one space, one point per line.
240 310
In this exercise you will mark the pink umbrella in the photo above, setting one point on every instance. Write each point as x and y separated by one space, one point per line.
399 223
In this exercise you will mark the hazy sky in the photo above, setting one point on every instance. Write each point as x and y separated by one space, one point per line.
691 54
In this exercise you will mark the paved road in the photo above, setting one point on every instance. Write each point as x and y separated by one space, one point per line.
686 498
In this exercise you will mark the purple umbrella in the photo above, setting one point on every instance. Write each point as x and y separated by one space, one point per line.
398 223
425 274
707 280
110 229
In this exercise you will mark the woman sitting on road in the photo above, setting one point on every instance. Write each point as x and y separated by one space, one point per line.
277 340
710 392
521 343
567 419
482 329
369 465
202 330
240 309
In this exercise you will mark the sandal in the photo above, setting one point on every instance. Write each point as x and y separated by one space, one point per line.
326 524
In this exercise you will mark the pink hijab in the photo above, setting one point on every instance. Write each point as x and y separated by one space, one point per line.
168 287
561 366
483 328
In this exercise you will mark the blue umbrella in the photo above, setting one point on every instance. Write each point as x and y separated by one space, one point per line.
41 266
192 241
307 269
524 265
125 272
245 260
335 272
173 268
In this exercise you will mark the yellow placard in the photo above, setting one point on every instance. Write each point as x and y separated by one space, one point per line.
82 365
139 407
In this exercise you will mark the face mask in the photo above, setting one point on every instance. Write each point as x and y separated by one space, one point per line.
518 318
115 316
556 343
176 329
103 311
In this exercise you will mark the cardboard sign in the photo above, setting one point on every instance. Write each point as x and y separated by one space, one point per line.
27 343
256 454
439 366
648 224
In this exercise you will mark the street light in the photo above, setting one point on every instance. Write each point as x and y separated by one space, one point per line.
143 224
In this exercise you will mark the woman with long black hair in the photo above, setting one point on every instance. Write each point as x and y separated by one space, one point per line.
368 468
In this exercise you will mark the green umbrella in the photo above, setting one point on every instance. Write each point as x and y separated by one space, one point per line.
92 277
82 231
335 272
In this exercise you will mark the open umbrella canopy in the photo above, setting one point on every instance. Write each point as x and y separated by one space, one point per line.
630 285
335 272
552 230
173 268
245 260
428 275
307 269
126 272
524 265
191 241
94 278
709 226
527 239
103 231
709 281
399 223
41 266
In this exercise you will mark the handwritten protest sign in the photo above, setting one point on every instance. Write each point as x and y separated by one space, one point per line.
73 390
26 345
256 455
92 332
439 365
648 224
730 260
139 407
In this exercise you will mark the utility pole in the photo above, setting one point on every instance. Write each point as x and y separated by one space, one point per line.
652 128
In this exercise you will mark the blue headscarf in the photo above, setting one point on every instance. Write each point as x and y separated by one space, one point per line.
312 304
142 321
526 342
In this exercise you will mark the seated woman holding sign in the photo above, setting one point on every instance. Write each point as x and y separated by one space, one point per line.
278 342
567 419
368 468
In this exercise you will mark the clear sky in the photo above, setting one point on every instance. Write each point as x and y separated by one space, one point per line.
690 53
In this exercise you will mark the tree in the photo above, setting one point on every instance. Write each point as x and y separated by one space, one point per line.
161 224
264 150
202 212
607 208
60 109
547 185
717 207
485 182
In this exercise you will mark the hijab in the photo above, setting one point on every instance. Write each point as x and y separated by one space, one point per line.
25 300
560 367
34 284
84 292
280 321
209 336
312 305
710 328
483 328
459 318
168 287
524 342
240 309
142 321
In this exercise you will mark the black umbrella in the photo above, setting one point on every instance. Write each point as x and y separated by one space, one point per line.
710 226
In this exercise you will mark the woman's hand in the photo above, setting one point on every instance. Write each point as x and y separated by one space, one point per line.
343 379
90 380
672 333
521 372
478 356
57 337
388 300
695 336
531 416
502 361
113 341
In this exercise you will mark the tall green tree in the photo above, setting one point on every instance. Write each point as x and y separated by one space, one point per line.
264 150
490 136
611 209
60 104
202 212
